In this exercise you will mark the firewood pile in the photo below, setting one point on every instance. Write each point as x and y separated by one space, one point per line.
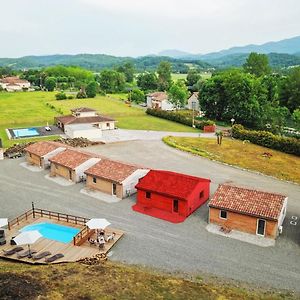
78 142
94 260
17 150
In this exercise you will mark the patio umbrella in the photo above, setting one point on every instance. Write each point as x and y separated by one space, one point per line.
97 223
3 222
27 238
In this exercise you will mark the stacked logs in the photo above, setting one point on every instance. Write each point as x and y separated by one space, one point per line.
78 142
94 260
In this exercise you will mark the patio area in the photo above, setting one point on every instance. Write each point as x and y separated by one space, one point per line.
78 249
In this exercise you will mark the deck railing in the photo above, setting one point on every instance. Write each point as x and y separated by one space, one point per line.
82 236
17 220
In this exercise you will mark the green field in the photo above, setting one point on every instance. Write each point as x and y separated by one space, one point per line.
38 108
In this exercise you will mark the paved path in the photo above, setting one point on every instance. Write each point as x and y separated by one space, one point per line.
186 247
121 135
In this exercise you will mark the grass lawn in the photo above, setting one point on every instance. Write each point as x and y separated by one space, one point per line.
248 156
113 281
30 109
177 76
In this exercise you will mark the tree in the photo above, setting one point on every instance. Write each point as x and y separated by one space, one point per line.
111 81
257 64
91 89
290 90
219 135
164 76
50 84
192 78
147 81
296 116
178 94
81 94
128 70
61 96
137 96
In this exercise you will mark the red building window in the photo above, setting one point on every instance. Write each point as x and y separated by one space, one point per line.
148 195
201 194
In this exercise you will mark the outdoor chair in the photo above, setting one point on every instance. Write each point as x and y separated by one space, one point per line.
12 242
54 258
26 253
12 251
41 255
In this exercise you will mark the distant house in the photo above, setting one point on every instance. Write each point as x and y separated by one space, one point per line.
159 100
193 102
14 84
248 210
114 178
39 153
71 164
84 122
170 196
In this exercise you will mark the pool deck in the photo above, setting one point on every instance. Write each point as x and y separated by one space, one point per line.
71 252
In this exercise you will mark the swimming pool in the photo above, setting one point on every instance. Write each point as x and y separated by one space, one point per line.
60 233
25 132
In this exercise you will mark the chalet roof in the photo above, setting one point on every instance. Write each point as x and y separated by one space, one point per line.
13 80
71 158
70 119
158 96
112 170
194 94
169 183
248 201
42 148
82 109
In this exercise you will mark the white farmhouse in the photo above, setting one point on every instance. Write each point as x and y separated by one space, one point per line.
159 100
14 84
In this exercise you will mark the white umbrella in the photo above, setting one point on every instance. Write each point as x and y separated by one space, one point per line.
3 222
27 238
97 223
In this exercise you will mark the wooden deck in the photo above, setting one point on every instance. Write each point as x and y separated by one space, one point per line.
71 253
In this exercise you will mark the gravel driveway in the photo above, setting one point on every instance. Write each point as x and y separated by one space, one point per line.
186 247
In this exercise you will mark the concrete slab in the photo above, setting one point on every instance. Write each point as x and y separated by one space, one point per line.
99 195
60 180
32 168
242 236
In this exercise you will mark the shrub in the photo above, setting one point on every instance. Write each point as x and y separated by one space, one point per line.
61 96
267 139
70 97
178 118
81 95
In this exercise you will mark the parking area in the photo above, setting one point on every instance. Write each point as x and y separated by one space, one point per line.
186 247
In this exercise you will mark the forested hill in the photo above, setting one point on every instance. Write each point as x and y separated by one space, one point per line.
97 62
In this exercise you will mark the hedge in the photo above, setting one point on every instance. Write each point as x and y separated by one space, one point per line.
178 118
267 139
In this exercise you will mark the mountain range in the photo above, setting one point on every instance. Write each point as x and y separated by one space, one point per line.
281 54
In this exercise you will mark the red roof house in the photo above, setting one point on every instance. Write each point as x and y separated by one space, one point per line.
170 196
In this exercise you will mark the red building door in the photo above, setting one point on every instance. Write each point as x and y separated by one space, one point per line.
175 206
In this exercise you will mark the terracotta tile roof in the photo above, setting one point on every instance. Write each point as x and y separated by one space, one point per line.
158 96
13 80
82 109
112 170
82 120
169 183
71 158
248 201
43 147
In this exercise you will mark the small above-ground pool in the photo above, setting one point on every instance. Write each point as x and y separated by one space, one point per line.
25 132
60 233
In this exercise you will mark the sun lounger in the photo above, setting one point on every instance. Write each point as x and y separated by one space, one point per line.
12 251
41 255
54 258
26 253
2 237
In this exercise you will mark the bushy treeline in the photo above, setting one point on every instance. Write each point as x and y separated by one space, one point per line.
267 139
178 118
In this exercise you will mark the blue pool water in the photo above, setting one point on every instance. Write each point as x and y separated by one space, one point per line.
25 132
60 233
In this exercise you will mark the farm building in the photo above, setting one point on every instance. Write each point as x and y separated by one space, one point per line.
159 100
170 196
248 210
193 102
71 164
114 178
14 84
84 122
39 153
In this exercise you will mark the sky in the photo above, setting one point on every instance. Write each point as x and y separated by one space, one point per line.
141 27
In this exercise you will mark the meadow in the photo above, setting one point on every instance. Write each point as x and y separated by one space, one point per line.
25 109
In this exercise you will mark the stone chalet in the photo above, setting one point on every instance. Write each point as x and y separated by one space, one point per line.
248 210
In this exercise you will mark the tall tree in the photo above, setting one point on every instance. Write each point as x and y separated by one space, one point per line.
111 81
164 76
91 89
257 64
192 78
128 70
147 81
50 84
178 94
